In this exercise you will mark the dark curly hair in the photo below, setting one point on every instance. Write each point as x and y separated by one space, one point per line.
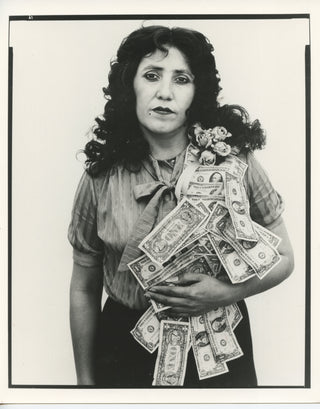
118 138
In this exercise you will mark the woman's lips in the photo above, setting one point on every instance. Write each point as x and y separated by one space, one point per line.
162 110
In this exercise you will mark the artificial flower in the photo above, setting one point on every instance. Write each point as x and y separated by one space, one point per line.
222 148
220 133
204 139
207 158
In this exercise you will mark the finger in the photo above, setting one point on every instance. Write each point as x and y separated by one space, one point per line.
190 278
167 300
185 312
173 291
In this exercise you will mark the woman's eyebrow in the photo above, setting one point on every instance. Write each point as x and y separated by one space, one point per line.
158 68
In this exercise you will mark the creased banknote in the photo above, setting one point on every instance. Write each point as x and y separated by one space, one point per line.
206 364
268 235
234 315
238 207
234 166
158 306
260 255
144 270
208 201
172 232
224 344
148 273
184 259
207 189
214 263
196 235
172 356
237 269
219 211
147 330
209 175
197 266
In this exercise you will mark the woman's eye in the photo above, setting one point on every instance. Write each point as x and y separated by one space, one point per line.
151 76
182 80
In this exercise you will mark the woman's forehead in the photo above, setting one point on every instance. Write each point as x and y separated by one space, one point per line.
171 56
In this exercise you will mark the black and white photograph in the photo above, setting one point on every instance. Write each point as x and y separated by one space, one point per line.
159 207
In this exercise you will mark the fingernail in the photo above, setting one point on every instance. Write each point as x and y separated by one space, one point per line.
147 295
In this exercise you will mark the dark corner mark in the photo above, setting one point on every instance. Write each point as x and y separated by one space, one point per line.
10 67
308 218
158 16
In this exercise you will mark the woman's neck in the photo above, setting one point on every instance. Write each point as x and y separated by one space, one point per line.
167 147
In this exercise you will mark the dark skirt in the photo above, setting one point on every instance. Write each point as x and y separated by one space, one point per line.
123 363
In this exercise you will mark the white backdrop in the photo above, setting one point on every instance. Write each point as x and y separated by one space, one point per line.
59 70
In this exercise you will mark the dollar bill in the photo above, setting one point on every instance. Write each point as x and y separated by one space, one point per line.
172 232
162 315
158 307
197 266
234 166
192 155
147 330
144 270
215 190
201 205
149 273
209 175
234 315
184 258
214 263
205 241
238 207
269 236
206 364
224 344
208 201
237 269
260 255
219 211
172 355
195 236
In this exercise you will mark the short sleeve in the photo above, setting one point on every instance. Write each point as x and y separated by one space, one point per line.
266 204
82 232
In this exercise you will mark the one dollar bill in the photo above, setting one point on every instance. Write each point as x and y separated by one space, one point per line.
207 366
172 356
224 344
172 232
147 330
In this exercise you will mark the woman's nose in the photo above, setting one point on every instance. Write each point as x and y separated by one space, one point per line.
164 90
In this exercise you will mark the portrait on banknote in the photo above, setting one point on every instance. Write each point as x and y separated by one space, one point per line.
157 239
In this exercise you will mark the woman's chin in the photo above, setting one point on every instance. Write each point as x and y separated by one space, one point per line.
164 129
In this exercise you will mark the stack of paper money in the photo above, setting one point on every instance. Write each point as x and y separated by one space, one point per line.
209 232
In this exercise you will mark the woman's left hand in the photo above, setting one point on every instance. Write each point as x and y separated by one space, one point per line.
193 294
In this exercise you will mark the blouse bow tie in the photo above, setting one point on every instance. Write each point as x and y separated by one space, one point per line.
162 201
151 188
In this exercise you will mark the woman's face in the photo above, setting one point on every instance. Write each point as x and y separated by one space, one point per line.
164 88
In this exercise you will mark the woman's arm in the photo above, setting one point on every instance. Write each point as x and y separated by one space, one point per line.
85 307
197 294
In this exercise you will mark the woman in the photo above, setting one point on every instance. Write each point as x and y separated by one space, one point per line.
163 81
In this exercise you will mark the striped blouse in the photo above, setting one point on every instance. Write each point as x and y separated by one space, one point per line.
108 210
